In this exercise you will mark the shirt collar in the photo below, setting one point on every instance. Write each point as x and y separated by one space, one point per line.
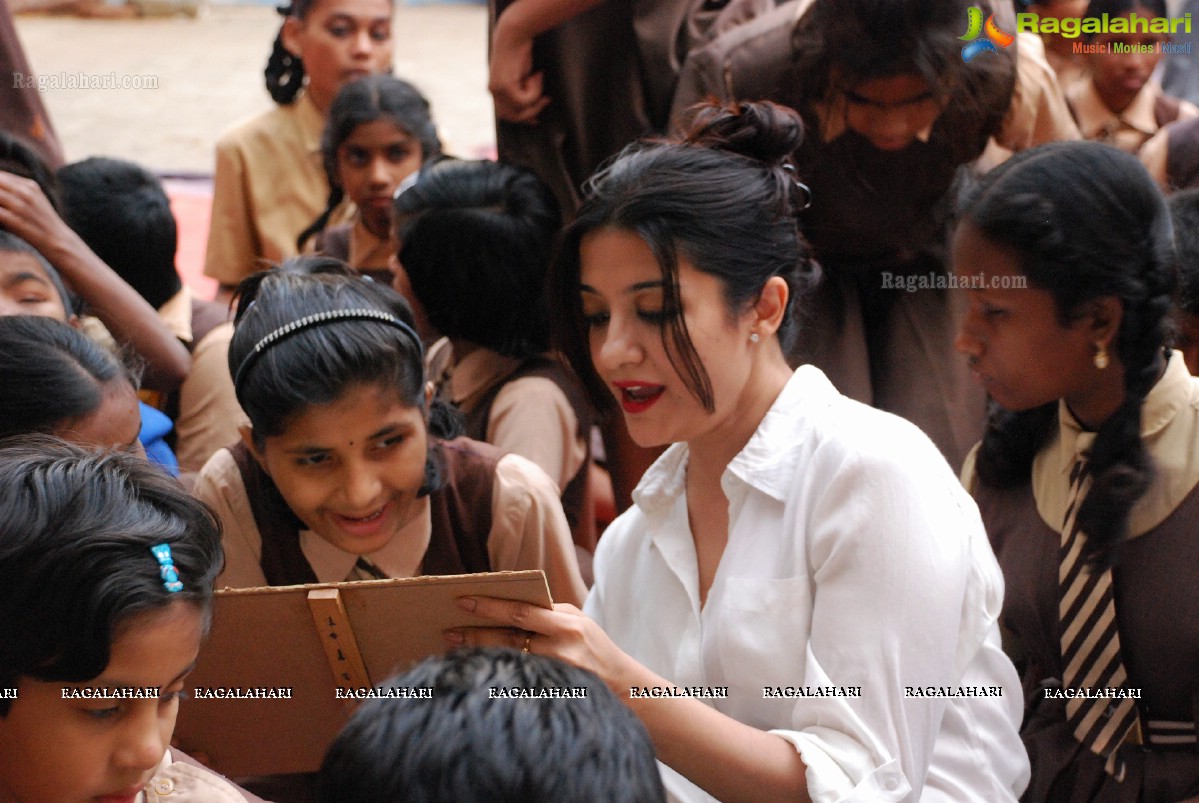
769 460
1170 395
1095 118
312 124
367 252
478 372
401 557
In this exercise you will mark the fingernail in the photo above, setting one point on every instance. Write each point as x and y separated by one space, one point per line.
453 637
467 603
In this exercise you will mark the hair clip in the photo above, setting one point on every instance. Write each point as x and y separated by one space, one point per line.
166 567
805 192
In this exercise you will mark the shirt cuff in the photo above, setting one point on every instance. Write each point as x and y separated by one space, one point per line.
832 781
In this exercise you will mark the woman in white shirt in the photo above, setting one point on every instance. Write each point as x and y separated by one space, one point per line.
802 603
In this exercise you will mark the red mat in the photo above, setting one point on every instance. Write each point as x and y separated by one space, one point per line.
191 202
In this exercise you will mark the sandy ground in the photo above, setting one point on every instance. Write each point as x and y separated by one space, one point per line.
208 73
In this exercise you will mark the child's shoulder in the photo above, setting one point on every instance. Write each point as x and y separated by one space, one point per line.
294 121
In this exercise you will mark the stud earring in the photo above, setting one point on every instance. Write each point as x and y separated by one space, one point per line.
1101 358
753 337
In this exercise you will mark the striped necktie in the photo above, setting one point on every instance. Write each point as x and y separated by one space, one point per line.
1091 641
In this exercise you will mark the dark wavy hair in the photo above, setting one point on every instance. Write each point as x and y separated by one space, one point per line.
75 560
839 44
318 364
52 373
1086 222
475 242
722 195
463 746
374 97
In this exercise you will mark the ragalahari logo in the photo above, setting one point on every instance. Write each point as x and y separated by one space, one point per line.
975 27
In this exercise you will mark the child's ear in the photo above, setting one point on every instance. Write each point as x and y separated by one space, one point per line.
1103 318
289 35
429 393
247 437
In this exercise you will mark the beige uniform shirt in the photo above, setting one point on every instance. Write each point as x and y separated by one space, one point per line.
209 415
528 531
268 187
1128 130
530 416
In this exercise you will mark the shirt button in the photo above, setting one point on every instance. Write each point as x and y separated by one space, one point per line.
892 783
164 786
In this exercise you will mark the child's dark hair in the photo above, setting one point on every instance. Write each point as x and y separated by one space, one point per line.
1184 212
75 560
284 72
123 214
463 746
316 364
21 159
839 44
725 197
12 244
1117 8
374 97
475 242
52 373
1086 222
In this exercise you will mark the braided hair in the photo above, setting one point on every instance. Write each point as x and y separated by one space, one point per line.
285 72
1086 222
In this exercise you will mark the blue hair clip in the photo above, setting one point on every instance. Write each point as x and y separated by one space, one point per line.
170 577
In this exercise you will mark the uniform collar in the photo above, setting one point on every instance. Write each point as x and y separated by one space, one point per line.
401 557
1095 119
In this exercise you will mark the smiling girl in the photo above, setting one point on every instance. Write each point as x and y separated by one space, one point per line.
345 471
268 184
96 635
1087 475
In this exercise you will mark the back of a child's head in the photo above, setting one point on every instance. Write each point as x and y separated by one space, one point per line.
1184 212
123 214
53 374
463 746
75 555
304 337
475 241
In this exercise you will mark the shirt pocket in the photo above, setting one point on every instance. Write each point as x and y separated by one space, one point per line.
762 628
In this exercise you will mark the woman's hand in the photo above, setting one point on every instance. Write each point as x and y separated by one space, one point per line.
564 633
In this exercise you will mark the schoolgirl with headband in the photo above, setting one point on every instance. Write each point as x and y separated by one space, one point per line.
268 183
346 471
106 571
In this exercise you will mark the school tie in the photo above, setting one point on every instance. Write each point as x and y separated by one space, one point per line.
1091 641
365 570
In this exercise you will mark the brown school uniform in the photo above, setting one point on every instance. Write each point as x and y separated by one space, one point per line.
268 187
536 409
610 73
1156 599
879 215
1149 111
498 512
356 246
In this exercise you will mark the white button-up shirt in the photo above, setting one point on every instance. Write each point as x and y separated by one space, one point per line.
855 563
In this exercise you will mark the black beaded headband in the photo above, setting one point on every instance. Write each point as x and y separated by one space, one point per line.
320 319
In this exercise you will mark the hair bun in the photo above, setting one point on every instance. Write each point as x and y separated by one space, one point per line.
761 130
